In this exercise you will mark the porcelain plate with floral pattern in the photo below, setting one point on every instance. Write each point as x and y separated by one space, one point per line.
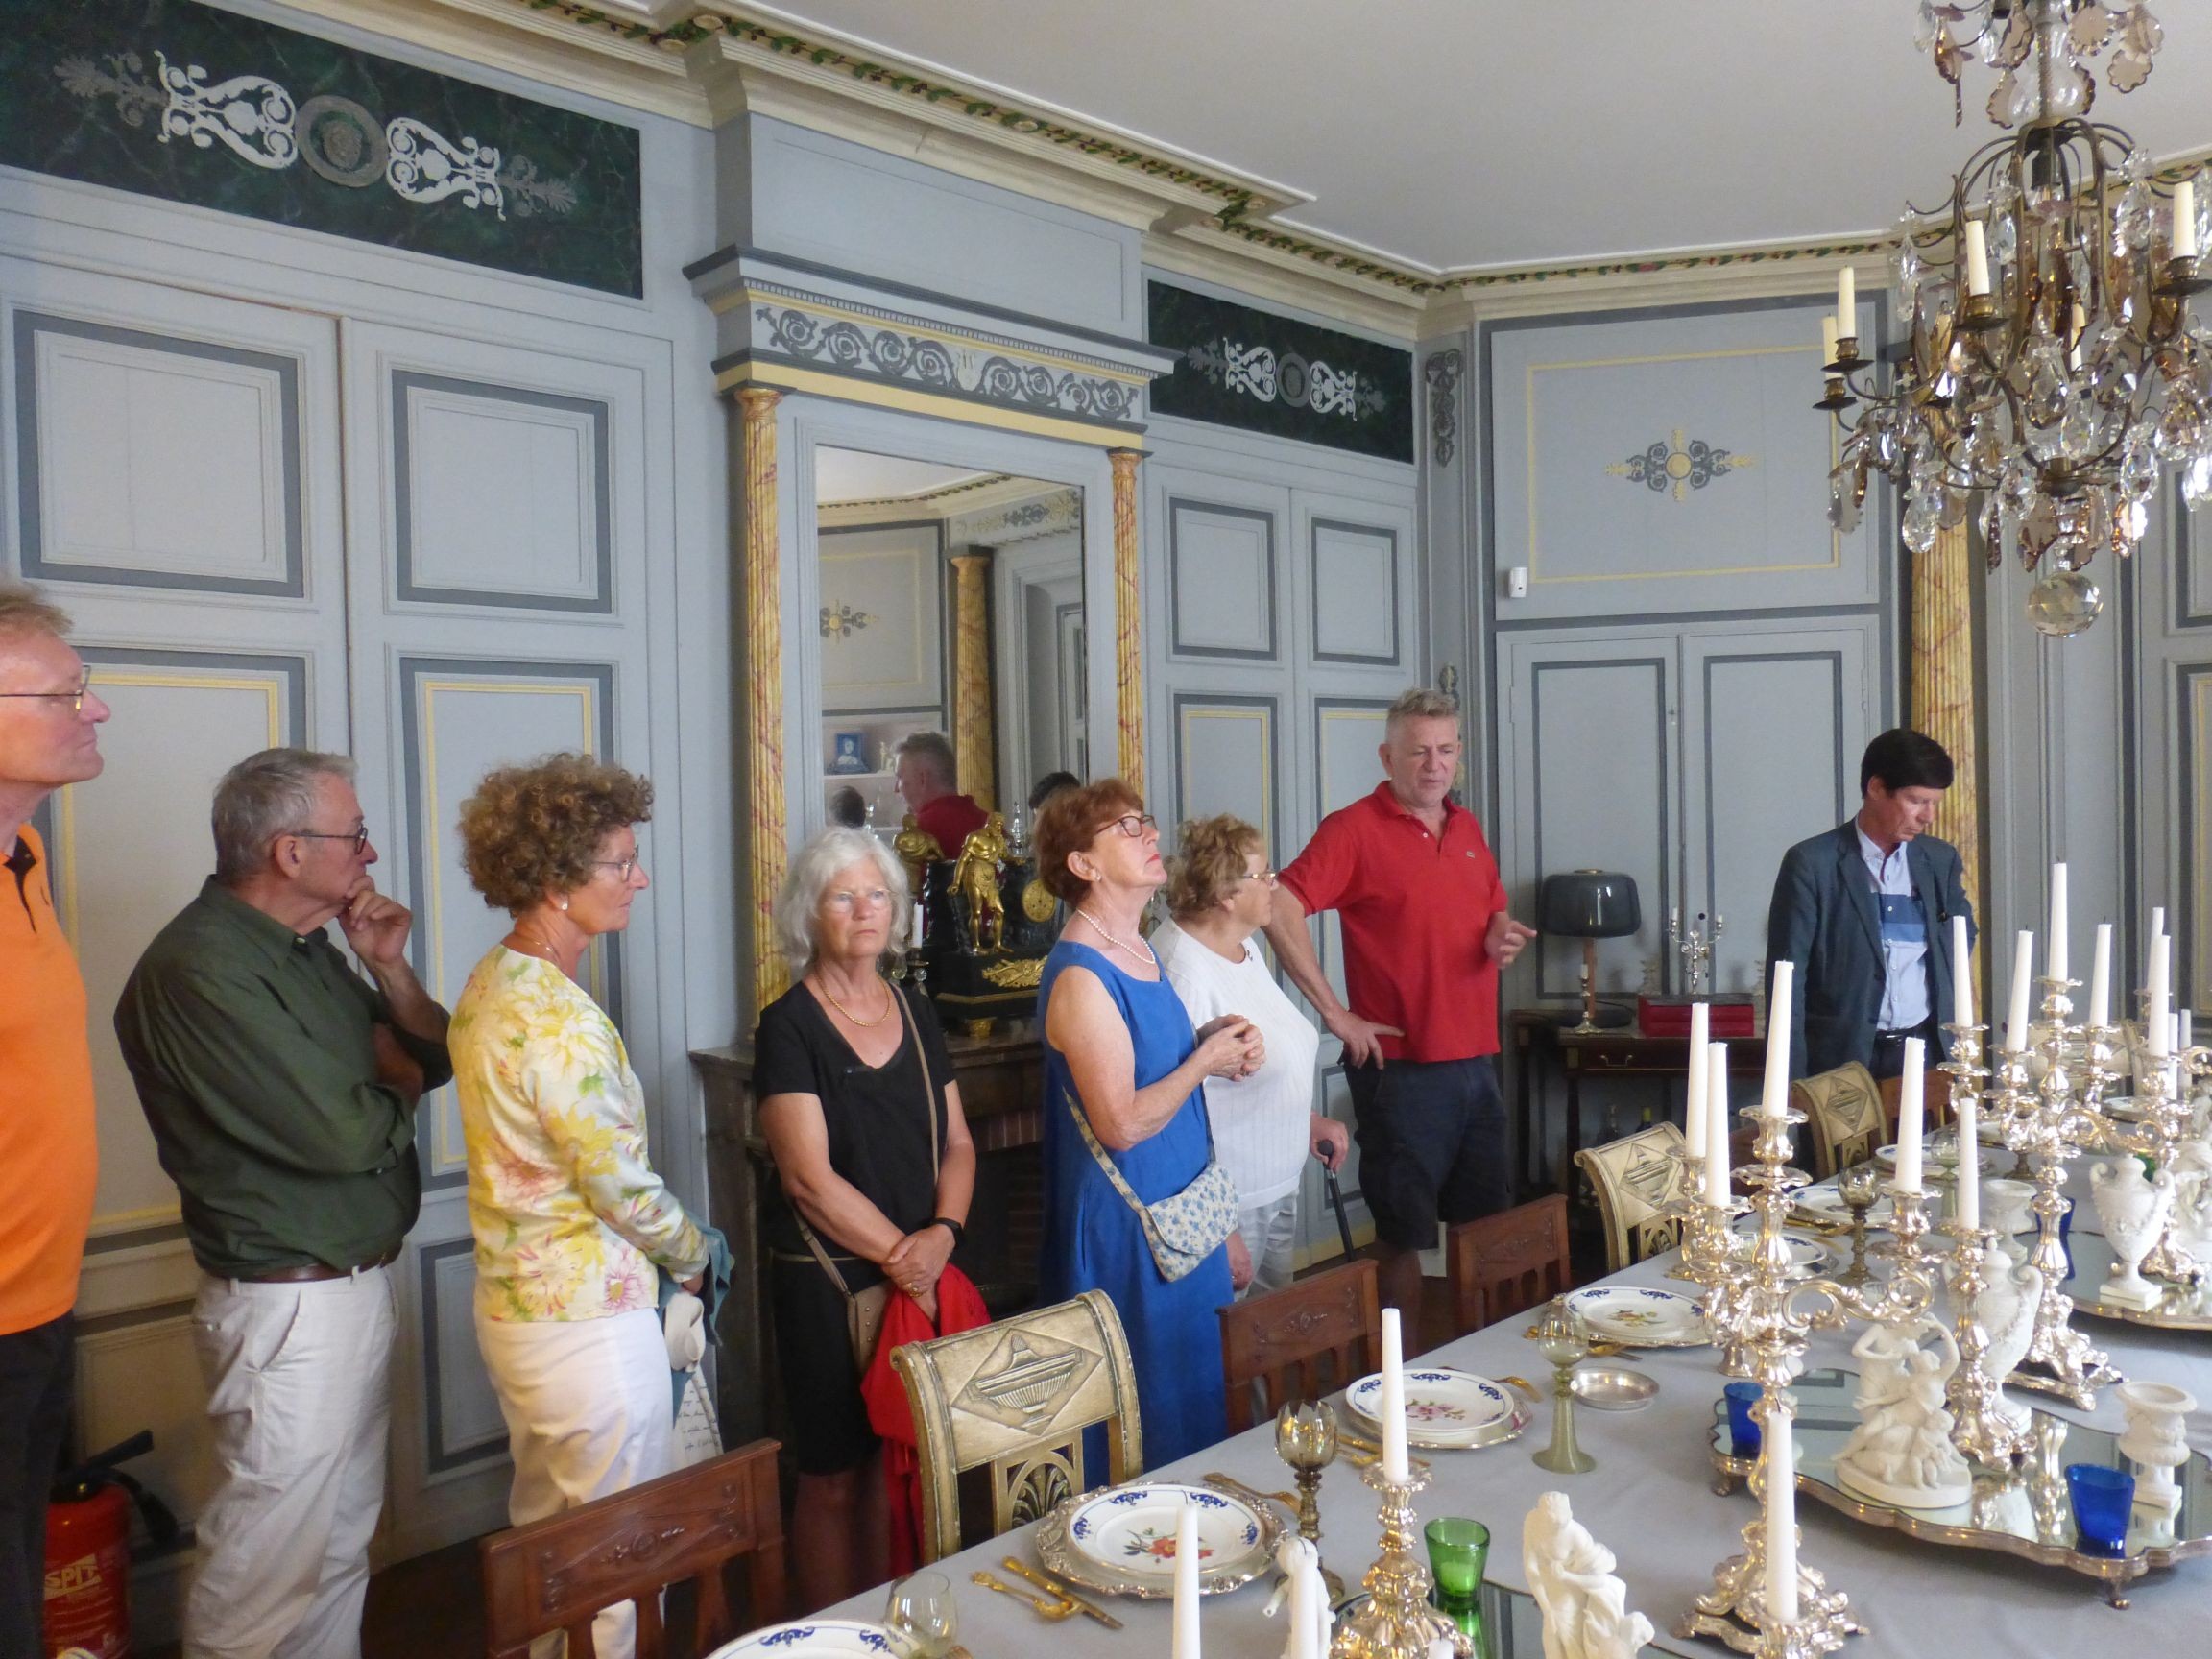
1640 1317
1446 1410
811 1639
1122 1540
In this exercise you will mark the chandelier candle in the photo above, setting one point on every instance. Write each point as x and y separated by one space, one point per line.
2101 979
1911 1112
1394 1464
2185 218
1847 303
1976 257
2016 1016
1776 1099
1716 1125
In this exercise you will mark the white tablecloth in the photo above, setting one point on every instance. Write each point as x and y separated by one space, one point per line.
1651 1501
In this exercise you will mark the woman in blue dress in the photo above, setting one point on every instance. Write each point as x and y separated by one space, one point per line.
1125 1120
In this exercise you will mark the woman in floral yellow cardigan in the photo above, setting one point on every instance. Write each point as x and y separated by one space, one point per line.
569 1218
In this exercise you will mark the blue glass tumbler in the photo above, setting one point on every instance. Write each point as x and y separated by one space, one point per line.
1742 1426
2102 1501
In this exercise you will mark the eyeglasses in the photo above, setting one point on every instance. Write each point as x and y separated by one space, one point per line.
844 898
359 837
1266 875
1135 824
75 699
623 868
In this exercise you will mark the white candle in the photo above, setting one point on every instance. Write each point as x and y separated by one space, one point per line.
1976 257
1962 975
2157 919
1694 1130
1969 1166
1781 1455
1186 1596
1847 303
1827 341
2157 1000
1912 1113
1776 1099
2185 218
1717 1124
2016 1016
1394 1465
2055 951
2101 978
2180 1030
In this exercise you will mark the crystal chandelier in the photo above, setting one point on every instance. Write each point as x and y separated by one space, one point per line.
2050 364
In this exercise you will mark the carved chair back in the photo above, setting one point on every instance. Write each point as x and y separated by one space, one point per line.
1016 1397
1635 1178
556 1574
1507 1264
1843 1118
1301 1343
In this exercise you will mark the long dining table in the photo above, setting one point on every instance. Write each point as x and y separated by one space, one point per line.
1651 1501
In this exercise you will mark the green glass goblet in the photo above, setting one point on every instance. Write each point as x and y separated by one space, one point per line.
1457 1552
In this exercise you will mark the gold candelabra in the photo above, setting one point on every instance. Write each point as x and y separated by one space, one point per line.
1396 1622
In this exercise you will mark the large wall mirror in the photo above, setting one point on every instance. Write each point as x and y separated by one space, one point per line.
951 600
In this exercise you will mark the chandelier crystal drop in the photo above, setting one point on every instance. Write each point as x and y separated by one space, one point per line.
2049 369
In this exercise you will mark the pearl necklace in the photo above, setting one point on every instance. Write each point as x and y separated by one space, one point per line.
1127 949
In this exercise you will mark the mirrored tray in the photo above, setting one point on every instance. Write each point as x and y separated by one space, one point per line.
2183 1307
2021 1511
1122 1540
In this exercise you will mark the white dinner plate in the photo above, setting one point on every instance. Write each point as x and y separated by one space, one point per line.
810 1638
1124 1540
1825 1202
1807 1256
1640 1317
1942 1156
1445 1409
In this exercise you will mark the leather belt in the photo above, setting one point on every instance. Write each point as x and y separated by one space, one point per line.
316 1272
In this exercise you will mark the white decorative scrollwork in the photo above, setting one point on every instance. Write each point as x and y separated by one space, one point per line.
1290 379
250 115
426 167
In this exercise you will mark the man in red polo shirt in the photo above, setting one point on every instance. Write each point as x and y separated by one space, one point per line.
1426 932
925 771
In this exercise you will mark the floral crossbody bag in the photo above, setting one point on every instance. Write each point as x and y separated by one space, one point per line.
1181 1231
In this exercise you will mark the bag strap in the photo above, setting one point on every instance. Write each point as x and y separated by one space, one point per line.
1114 1173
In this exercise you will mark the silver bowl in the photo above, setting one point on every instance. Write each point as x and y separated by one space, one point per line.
1614 1389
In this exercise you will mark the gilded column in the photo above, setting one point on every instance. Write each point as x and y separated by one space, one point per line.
1128 621
973 742
1942 701
766 819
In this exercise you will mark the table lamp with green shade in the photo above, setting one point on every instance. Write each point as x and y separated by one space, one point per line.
1590 906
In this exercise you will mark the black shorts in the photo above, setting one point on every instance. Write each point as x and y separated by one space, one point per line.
1432 1138
829 1432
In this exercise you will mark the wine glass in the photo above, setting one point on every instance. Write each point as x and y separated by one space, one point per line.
920 1616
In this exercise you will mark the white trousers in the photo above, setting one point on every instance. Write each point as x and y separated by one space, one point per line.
589 1407
1271 1234
299 1393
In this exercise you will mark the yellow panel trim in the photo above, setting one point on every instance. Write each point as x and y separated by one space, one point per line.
270 685
445 1154
951 339
847 390
1267 823
1835 559
132 1220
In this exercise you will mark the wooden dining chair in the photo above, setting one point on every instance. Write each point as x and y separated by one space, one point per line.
1014 1396
1635 1178
1301 1343
1843 1118
556 1574
1507 1264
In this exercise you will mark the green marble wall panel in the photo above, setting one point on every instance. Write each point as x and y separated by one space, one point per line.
190 102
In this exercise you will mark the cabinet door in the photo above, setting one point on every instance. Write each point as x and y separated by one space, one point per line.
1775 718
1590 780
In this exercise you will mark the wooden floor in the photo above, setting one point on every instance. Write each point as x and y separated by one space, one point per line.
432 1607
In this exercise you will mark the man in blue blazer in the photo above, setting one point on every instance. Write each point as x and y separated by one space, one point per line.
1865 910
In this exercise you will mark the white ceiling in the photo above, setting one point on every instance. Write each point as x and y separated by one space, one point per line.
855 475
1456 133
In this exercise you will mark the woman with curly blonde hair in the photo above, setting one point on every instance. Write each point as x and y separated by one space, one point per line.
569 1218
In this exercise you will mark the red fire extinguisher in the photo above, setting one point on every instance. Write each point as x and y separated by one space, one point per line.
88 1552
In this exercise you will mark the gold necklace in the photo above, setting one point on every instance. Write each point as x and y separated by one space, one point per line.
821 987
538 942
1130 950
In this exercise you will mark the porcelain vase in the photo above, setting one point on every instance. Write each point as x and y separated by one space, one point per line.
2133 1209
2156 1437
2006 1311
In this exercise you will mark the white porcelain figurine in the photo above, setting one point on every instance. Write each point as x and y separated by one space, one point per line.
2156 1437
2006 1311
2133 1209
1300 1563
1585 1606
1901 1453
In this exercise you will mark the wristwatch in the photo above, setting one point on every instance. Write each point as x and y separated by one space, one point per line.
958 1231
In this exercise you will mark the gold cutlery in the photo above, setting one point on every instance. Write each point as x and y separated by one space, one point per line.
1524 1385
1057 1610
1251 1495
1044 1581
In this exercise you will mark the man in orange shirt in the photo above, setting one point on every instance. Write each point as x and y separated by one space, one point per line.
49 737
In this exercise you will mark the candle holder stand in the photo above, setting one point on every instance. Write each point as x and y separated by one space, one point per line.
1704 1229
1695 944
1396 1622
2040 1120
1305 1439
